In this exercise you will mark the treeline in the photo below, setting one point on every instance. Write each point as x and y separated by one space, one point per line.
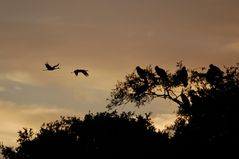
207 119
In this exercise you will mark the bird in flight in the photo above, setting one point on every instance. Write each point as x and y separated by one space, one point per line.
51 68
84 72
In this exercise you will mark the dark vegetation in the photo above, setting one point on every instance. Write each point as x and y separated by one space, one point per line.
207 119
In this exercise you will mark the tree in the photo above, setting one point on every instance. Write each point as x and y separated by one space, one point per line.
207 101
102 135
143 90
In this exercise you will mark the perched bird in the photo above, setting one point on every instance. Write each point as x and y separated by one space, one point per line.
214 75
186 103
162 73
84 72
51 68
141 72
181 77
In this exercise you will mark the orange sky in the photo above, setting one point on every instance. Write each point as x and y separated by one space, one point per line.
109 38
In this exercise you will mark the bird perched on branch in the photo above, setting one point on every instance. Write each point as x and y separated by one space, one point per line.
181 76
186 104
51 68
214 75
162 73
84 72
141 72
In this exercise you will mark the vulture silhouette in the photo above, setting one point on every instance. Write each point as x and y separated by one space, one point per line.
141 72
162 73
214 75
186 103
84 72
51 68
182 76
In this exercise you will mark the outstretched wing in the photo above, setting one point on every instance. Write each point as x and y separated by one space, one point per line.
48 66
56 65
85 72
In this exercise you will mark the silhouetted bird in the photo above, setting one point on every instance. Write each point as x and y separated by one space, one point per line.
214 75
182 77
141 72
162 73
51 68
84 72
186 103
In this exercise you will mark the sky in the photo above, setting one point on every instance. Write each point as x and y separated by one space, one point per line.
109 38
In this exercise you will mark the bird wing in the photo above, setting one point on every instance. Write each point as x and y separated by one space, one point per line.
48 66
56 65
85 72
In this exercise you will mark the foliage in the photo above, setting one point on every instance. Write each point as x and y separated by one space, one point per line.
207 101
103 134
208 107
143 90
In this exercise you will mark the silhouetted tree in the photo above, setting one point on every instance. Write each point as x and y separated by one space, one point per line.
139 91
102 135
207 101
207 116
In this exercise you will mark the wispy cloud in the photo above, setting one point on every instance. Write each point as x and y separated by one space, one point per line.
22 77
2 89
161 121
233 46
13 117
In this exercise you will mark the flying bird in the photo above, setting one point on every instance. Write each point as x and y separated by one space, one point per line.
141 72
84 72
51 68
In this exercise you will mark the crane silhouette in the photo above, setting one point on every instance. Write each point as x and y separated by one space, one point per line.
77 71
51 68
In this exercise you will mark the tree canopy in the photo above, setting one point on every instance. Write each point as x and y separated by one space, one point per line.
207 100
207 116
101 135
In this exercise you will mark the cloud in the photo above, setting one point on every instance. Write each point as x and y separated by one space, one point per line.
161 121
234 46
13 117
2 89
22 77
